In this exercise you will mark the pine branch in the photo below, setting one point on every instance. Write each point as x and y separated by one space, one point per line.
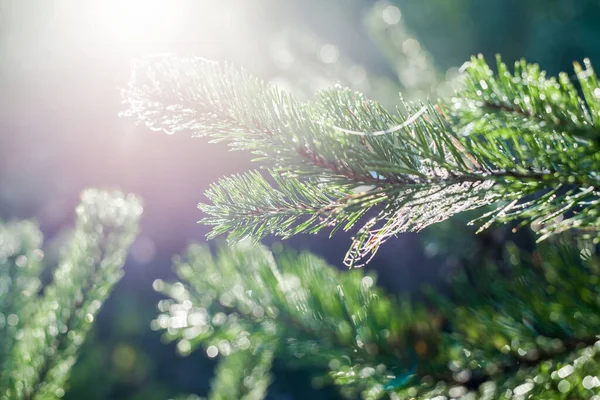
244 299
495 143
20 267
288 207
531 317
200 97
528 101
242 376
540 124
38 364
305 140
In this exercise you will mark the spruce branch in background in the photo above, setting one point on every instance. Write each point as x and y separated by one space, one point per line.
521 141
42 328
527 327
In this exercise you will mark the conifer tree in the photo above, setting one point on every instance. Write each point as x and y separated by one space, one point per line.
523 144
42 325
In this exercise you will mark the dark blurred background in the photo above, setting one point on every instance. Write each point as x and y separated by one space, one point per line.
62 64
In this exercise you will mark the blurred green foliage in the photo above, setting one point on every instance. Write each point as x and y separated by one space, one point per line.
525 326
553 32
43 326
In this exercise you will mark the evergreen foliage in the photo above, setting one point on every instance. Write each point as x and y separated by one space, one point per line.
520 141
526 328
42 325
